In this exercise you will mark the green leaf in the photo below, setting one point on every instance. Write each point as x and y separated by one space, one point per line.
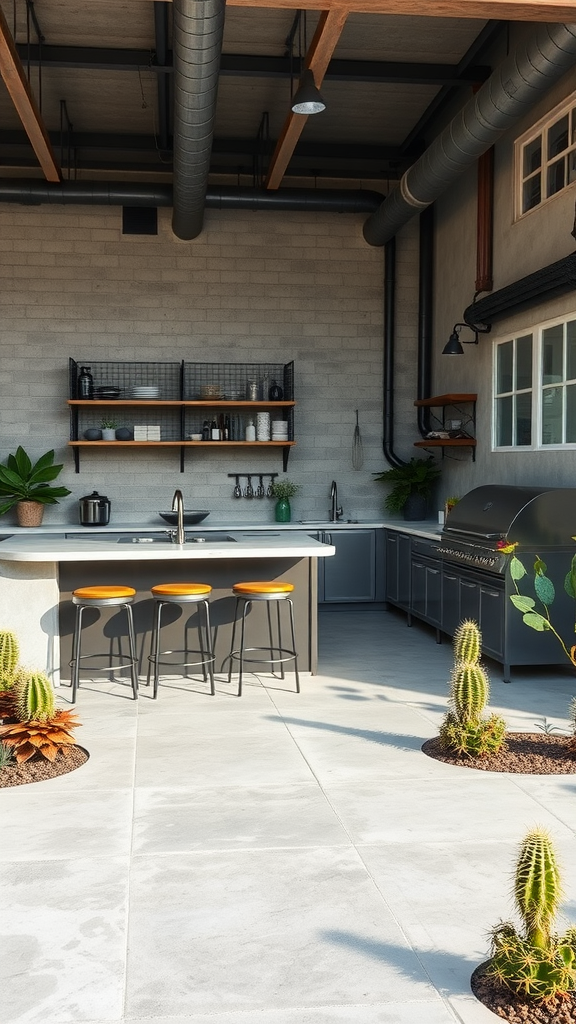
536 621
544 590
524 604
517 570
23 463
569 585
540 567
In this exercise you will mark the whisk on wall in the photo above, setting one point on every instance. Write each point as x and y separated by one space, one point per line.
357 450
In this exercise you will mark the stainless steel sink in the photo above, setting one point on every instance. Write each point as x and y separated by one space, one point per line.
192 538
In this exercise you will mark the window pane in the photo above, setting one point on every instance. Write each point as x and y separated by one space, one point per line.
532 157
524 419
571 414
531 193
503 421
524 362
504 368
558 137
552 371
571 350
552 416
556 177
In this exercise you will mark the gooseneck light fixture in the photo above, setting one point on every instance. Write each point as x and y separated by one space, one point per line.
454 345
308 99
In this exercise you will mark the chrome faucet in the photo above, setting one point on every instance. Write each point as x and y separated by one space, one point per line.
178 535
335 508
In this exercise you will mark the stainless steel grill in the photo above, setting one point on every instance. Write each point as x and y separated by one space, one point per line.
540 519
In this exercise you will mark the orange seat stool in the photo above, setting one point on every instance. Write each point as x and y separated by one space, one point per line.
182 594
267 591
103 597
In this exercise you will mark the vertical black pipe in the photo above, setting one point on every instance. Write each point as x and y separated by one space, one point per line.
161 36
389 324
425 315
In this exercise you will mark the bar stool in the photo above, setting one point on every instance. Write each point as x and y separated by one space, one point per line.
103 597
182 594
268 592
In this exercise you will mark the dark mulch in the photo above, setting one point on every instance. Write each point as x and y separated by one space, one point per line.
512 1008
38 769
528 753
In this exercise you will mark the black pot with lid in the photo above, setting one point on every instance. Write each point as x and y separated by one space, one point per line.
94 510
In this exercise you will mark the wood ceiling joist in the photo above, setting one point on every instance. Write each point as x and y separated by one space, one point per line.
20 93
497 10
326 36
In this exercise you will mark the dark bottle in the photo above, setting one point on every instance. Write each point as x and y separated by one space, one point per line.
206 431
85 383
214 432
275 393
227 429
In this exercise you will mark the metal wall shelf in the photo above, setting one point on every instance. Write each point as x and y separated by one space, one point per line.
453 401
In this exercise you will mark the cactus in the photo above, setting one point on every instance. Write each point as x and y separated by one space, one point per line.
474 737
34 697
469 691
9 654
539 964
467 643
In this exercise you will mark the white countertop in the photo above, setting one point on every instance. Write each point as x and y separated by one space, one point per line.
424 528
46 548
157 526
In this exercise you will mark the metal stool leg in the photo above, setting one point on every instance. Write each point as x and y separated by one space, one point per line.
293 633
245 610
280 651
232 648
132 650
209 645
75 662
156 646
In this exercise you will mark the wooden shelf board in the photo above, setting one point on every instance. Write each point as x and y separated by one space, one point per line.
456 442
180 444
86 403
440 400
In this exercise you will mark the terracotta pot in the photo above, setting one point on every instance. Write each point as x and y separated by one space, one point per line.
29 513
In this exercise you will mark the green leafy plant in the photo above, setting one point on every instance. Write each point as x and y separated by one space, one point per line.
22 480
285 488
464 730
107 424
538 964
6 755
34 697
418 476
9 655
536 610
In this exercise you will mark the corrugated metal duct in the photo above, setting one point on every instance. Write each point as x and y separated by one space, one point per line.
197 31
511 91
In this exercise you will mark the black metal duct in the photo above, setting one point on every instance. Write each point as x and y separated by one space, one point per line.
35 192
198 26
425 311
555 279
388 368
539 61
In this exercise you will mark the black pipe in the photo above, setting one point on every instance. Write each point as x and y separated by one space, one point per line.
389 324
425 313
555 279
161 39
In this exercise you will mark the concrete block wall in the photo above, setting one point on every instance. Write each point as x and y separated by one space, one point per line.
254 287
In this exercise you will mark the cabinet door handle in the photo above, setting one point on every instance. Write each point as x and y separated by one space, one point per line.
435 571
471 586
447 577
328 538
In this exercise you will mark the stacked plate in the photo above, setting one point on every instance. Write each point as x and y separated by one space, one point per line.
279 430
145 391
263 426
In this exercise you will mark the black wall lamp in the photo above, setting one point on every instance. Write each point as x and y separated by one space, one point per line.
454 344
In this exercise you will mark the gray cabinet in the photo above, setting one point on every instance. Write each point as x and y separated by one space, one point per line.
474 596
355 573
398 568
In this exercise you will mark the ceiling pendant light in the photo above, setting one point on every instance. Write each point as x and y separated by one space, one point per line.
308 99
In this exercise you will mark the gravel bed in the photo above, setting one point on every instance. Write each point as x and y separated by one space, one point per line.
527 753
501 1001
38 769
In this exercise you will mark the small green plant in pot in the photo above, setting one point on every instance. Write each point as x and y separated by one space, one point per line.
412 485
283 490
28 486
108 428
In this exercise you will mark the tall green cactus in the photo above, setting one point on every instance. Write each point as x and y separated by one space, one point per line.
9 655
467 642
537 887
34 697
469 691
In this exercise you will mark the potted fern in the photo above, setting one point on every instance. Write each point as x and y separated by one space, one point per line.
27 486
412 486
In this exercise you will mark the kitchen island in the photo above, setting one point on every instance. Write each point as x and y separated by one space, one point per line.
40 570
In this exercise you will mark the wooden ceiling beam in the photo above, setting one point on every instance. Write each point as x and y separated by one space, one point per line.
490 10
20 93
326 36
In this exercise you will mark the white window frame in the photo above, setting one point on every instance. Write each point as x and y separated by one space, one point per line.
568 106
538 387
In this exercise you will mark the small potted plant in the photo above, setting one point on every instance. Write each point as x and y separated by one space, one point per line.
27 486
283 490
412 486
108 428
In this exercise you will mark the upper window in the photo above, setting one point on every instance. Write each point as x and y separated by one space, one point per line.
546 158
535 388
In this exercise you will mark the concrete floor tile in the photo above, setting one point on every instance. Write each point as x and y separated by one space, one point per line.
223 819
63 941
63 825
432 1011
277 929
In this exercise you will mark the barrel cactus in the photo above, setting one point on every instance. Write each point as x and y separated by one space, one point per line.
469 690
9 655
538 964
34 697
467 643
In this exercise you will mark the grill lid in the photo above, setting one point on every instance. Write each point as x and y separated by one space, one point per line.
539 517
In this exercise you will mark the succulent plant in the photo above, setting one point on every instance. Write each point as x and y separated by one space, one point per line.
538 964
467 642
43 739
9 654
34 697
6 755
469 690
473 737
